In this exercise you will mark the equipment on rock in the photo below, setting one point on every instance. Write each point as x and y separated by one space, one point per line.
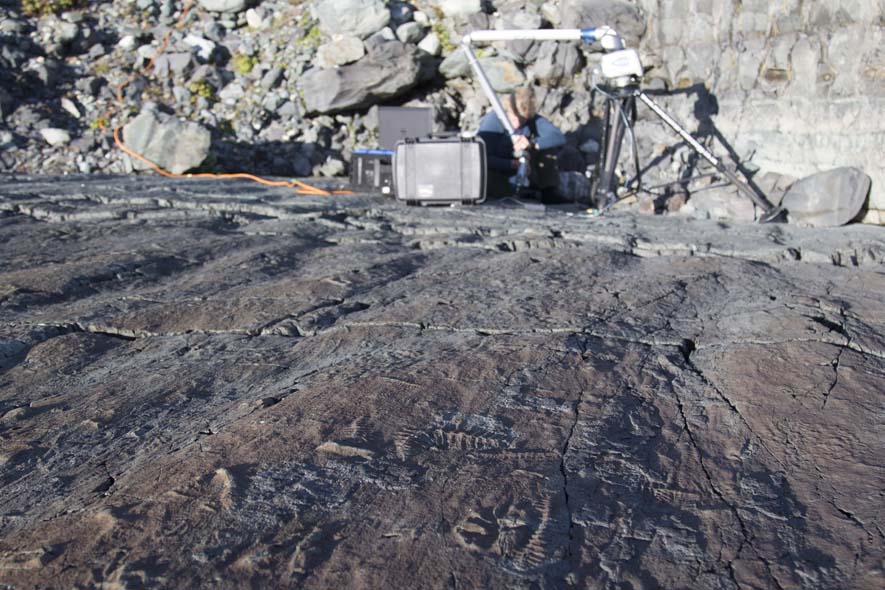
440 171
621 72
371 170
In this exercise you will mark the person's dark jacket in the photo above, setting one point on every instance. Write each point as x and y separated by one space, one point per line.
499 147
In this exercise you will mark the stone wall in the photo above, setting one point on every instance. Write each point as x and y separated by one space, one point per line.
799 83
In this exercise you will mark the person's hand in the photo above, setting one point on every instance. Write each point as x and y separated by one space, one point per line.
521 143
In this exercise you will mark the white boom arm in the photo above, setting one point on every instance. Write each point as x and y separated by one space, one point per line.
606 36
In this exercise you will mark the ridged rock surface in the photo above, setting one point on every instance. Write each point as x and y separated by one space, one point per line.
226 385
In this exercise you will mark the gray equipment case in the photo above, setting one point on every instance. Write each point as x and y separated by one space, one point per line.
440 171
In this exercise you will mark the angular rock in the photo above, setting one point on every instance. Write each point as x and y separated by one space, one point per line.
378 40
430 44
204 47
47 71
256 18
127 42
288 109
67 32
13 25
174 64
421 18
168 142
455 65
409 32
827 199
271 77
70 107
229 6
503 74
557 62
388 72
55 137
458 8
550 13
359 18
332 167
624 17
339 51
231 93
523 19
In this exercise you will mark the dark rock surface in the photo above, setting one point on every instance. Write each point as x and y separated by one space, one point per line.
389 71
208 384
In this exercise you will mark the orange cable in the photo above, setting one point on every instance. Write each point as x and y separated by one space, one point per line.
301 187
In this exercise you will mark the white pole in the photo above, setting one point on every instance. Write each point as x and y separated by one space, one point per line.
520 35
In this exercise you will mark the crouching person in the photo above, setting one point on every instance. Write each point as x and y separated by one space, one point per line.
535 136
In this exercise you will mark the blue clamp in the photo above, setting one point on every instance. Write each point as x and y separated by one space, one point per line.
589 35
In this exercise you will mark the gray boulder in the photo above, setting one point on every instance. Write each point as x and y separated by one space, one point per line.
174 64
340 51
523 19
557 61
352 17
827 199
172 144
270 79
625 18
410 32
503 74
389 71
224 5
455 65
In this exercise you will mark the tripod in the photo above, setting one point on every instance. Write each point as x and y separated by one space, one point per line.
620 102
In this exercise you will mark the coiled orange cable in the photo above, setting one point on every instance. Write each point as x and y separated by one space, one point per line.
300 187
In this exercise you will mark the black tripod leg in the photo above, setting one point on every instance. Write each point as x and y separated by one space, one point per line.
604 191
770 212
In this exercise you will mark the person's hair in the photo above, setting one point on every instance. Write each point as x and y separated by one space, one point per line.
522 103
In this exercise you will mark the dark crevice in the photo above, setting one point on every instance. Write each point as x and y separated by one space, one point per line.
829 325
105 486
850 516
835 382
687 348
564 472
